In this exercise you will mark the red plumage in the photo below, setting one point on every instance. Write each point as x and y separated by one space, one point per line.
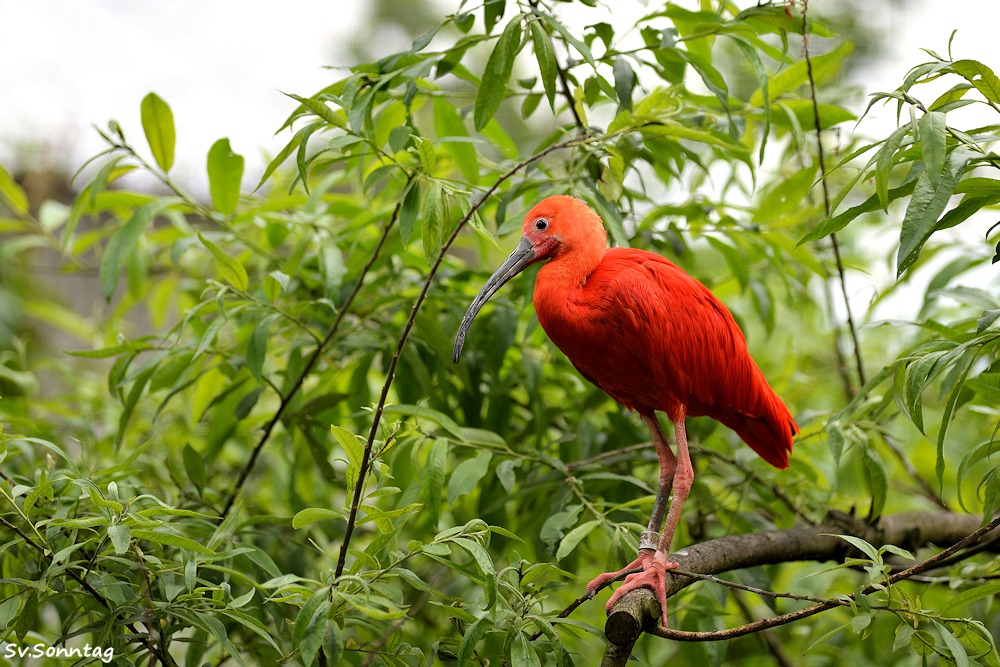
653 338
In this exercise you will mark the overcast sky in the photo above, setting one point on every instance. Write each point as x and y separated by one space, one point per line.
65 65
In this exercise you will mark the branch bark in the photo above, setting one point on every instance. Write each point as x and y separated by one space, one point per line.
638 612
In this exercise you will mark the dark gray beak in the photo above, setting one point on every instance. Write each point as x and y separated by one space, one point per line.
523 255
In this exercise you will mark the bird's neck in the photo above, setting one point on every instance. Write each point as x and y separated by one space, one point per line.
561 280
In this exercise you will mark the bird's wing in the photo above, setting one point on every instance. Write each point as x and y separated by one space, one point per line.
665 325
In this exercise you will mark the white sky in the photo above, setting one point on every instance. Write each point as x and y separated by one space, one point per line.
65 65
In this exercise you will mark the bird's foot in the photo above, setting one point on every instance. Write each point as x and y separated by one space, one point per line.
641 562
654 577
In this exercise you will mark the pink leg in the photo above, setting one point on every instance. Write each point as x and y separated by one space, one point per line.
649 540
655 568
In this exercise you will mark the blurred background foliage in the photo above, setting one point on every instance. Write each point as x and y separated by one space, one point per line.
191 388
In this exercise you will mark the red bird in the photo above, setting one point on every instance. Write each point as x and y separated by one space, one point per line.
651 337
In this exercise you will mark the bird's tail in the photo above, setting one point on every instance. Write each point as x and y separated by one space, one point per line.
769 432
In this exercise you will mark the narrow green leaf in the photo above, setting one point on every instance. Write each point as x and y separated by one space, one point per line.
313 514
546 57
13 194
309 615
225 172
120 537
123 242
320 109
861 545
970 596
955 647
878 478
467 475
624 81
171 539
476 631
409 212
421 413
229 267
575 536
194 466
158 124
930 197
750 53
425 149
521 653
333 643
478 554
493 12
257 347
493 87
841 220
886 159
449 125
933 136
980 76
432 220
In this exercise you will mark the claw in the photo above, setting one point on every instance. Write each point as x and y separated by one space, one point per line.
641 562
653 576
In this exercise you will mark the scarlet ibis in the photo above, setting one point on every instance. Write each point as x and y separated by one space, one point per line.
653 338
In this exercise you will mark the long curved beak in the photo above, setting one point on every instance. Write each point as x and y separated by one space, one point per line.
523 255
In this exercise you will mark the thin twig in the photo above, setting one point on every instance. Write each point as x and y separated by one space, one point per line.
852 329
784 619
310 364
144 637
391 371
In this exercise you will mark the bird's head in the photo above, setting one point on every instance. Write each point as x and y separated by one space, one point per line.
554 227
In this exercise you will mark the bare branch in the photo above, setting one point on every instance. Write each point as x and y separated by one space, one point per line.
635 613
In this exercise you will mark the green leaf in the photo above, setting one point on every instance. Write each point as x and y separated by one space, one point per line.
498 68
750 53
624 81
225 172
310 617
467 475
478 554
861 545
955 647
123 241
575 536
878 478
930 197
313 514
13 194
171 539
933 135
521 653
421 413
791 78
493 12
476 631
980 76
120 537
432 211
425 148
257 347
194 466
333 643
546 57
158 124
841 220
886 159
449 127
229 267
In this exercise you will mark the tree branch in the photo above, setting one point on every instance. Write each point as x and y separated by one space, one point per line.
639 612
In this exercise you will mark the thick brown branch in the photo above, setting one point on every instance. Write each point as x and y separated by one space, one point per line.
637 611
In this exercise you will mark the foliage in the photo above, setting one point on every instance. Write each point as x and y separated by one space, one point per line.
260 451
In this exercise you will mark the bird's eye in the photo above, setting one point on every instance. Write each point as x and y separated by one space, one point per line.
541 224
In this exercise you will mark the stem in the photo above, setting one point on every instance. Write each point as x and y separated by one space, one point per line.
391 372
310 364
852 329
